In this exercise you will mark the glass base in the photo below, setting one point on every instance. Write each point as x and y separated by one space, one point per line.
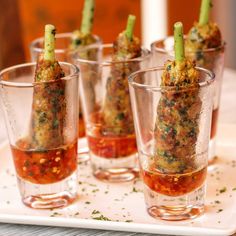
45 196
212 151
121 169
83 153
83 156
170 208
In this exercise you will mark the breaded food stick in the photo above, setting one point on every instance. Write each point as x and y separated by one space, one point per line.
178 111
49 105
117 112
203 35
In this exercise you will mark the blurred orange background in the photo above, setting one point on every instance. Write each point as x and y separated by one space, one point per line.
22 21
110 17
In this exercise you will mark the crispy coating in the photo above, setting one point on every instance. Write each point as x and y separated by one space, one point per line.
78 45
48 71
179 74
80 39
176 128
49 106
117 113
125 49
199 39
203 37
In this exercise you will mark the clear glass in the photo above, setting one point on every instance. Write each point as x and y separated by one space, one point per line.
63 53
43 144
211 59
62 47
107 110
173 129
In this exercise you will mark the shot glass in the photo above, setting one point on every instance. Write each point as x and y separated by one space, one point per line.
211 59
63 53
173 129
107 111
43 143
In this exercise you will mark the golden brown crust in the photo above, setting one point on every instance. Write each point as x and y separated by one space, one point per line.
180 73
49 106
176 128
117 113
47 71
125 49
203 37
81 39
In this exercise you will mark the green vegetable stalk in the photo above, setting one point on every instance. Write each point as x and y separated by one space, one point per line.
80 40
203 35
49 105
88 14
117 114
84 36
49 43
177 124
179 44
130 27
204 12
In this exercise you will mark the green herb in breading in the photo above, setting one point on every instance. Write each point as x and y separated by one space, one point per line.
204 34
84 37
48 109
117 113
204 45
176 128
80 40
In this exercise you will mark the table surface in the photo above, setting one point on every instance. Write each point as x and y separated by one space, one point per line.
227 116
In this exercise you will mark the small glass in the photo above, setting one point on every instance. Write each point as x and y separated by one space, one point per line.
63 53
107 111
173 130
43 143
62 47
211 59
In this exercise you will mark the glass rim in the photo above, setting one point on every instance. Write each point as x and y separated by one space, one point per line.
58 36
134 84
28 84
110 62
163 50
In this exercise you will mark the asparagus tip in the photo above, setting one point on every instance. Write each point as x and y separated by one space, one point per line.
130 26
179 42
49 42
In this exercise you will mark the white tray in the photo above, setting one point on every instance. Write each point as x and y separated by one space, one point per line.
124 205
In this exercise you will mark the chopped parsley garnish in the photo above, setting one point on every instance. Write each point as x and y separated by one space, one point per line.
95 212
128 221
222 190
95 190
101 217
97 215
135 190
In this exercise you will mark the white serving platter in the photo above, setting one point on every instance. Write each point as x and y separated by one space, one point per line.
123 204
